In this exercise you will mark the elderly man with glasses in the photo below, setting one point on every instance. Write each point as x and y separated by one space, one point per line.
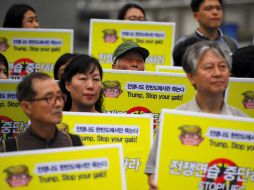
42 101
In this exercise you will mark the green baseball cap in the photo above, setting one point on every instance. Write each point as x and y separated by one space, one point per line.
129 46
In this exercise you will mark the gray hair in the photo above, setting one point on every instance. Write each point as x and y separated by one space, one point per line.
193 54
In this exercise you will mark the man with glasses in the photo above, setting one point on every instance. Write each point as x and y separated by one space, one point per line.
42 101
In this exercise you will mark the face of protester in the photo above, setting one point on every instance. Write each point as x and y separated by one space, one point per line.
85 89
212 74
3 71
130 61
47 105
134 14
209 15
30 20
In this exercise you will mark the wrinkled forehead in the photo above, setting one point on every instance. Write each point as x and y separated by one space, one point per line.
45 86
214 52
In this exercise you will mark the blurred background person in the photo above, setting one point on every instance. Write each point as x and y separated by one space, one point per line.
243 62
181 48
209 17
82 84
132 11
61 64
4 68
21 16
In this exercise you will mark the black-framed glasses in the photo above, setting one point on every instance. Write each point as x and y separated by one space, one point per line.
50 99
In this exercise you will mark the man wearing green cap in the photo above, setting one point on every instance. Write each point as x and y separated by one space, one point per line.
130 56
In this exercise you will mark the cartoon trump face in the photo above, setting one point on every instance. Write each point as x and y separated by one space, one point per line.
112 89
3 44
110 35
190 135
17 176
248 100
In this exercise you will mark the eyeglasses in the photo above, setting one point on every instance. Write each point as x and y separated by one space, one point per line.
51 100
140 18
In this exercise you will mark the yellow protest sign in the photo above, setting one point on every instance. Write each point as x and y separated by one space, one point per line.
144 92
92 167
134 132
169 69
12 118
157 37
29 50
241 94
205 151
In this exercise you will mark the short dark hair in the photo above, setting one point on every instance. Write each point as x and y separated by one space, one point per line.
15 14
63 59
25 89
5 62
81 63
243 62
181 48
126 7
195 4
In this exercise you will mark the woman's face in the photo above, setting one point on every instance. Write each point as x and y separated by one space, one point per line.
85 89
30 20
3 71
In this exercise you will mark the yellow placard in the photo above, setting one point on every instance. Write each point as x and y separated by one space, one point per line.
29 50
205 152
169 69
157 37
128 92
241 94
134 132
92 167
12 118
144 92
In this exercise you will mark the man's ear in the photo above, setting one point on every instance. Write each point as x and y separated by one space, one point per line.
114 66
26 106
195 15
191 78
67 86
